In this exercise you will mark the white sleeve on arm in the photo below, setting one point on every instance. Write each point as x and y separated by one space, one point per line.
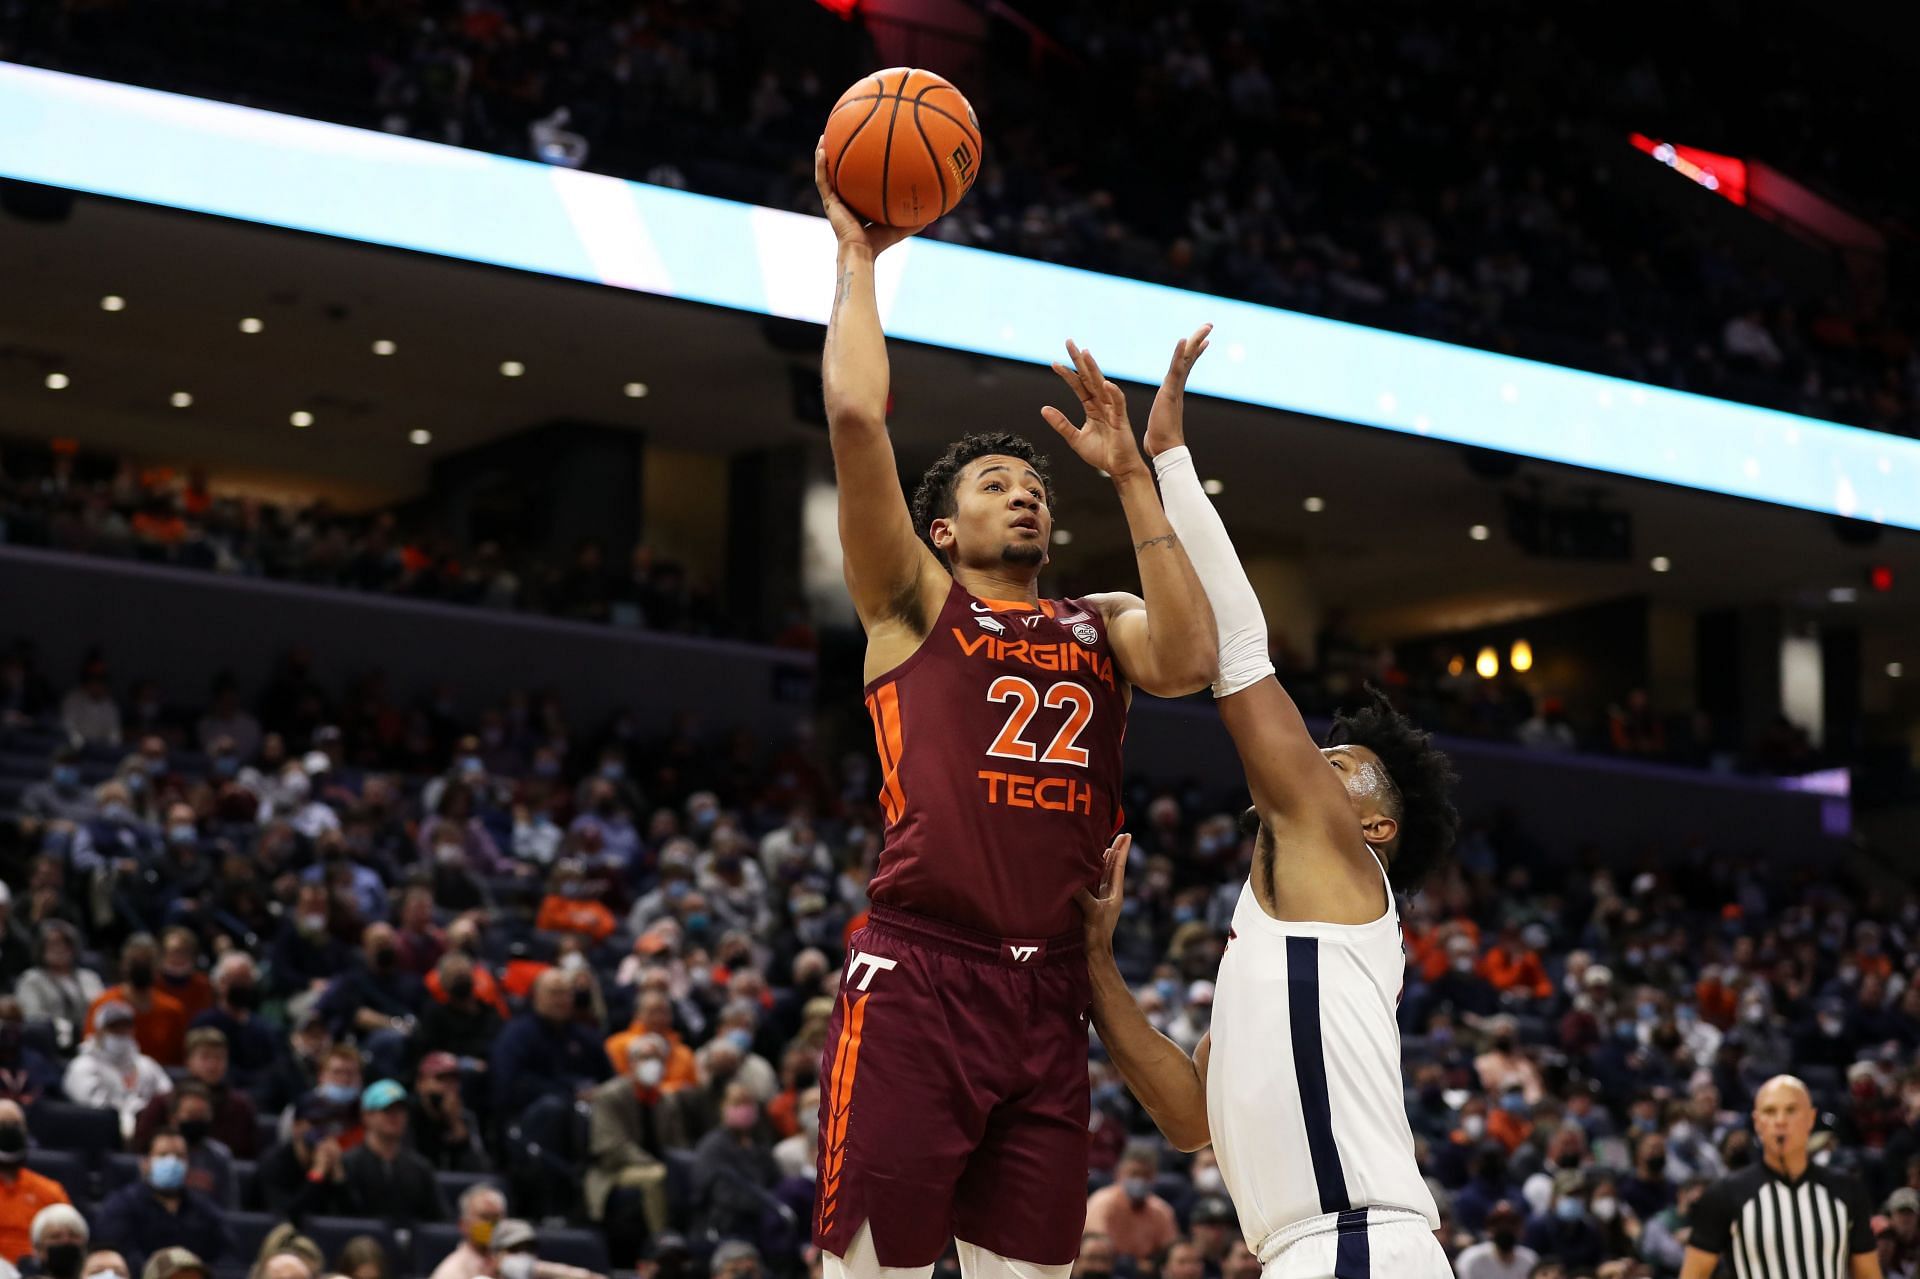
1236 609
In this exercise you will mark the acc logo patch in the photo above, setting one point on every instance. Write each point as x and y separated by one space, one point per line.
1086 634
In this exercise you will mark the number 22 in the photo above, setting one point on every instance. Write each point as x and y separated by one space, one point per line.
1026 701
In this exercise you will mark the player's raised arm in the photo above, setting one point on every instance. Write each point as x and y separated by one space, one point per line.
1172 1086
1165 642
1288 776
890 572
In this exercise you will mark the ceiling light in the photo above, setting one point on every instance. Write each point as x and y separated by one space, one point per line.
113 302
1479 532
1895 670
420 437
1842 595
512 368
1214 488
635 390
1456 665
252 324
1062 536
300 417
1487 665
1521 656
180 400
384 346
58 381
1660 564
1314 505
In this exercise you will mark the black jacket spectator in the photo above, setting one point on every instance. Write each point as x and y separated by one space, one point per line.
535 1058
140 1223
401 1189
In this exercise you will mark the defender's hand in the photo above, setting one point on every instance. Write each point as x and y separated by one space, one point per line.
846 223
1166 424
1106 440
1101 913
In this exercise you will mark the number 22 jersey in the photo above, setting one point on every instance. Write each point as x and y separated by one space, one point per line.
1000 749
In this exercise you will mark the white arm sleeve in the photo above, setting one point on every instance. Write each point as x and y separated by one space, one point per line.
1236 609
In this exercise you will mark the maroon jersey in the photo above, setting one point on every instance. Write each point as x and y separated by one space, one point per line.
1000 749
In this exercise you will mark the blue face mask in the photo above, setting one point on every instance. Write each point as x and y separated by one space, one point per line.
741 1039
1185 914
226 766
167 1172
613 770
1569 1210
183 833
339 1094
696 922
66 775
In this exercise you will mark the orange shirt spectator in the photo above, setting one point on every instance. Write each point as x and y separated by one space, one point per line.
23 1193
1509 1129
1518 969
1428 948
518 978
1717 1001
682 1070
159 1022
575 915
486 989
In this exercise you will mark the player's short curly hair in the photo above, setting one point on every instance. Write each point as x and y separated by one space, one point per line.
936 496
1423 781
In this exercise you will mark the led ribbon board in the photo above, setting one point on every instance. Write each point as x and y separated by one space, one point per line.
257 166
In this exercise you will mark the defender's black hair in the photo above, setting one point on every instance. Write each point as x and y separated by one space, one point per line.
936 497
1423 781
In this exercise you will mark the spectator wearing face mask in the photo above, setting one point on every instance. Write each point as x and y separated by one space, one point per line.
336 868
735 1028
1501 1255
572 906
159 1020
605 818
110 1072
1504 1068
62 797
653 1015
59 1236
159 1211
515 1255
1487 1185
180 974
1648 1191
1139 1223
730 1163
375 1001
306 955
633 1124
252 1047
456 1023
1567 1231
24 1193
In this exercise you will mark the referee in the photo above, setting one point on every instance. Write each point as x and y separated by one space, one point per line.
1783 1218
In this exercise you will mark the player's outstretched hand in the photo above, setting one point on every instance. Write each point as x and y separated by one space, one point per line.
1103 912
1166 424
847 224
1106 440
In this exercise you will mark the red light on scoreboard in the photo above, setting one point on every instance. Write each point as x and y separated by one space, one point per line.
843 8
1880 578
1723 175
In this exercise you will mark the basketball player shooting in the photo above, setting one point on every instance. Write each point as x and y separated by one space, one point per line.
1298 1084
954 1085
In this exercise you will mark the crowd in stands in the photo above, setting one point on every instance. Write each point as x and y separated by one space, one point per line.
67 501
1457 180
307 982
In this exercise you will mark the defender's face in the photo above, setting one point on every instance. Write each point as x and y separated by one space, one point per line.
1000 516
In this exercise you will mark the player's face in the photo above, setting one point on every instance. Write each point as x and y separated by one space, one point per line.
1000 516
1365 778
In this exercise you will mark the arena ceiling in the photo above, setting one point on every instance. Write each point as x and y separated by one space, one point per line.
1390 538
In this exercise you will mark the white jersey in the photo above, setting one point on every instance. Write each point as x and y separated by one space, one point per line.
1304 1091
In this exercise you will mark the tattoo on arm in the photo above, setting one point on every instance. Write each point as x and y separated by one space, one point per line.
1165 539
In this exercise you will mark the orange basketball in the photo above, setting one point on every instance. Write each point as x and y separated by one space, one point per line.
902 147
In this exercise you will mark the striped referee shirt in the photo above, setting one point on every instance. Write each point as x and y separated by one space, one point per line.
1769 1226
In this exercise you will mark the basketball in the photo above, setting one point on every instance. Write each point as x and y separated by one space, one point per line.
902 147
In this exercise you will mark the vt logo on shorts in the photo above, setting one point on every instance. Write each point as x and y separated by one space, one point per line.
872 964
1024 953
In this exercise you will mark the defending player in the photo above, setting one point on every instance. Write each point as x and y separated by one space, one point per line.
954 1086
1298 1084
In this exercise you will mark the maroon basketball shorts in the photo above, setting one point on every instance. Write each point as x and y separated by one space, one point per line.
953 1094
